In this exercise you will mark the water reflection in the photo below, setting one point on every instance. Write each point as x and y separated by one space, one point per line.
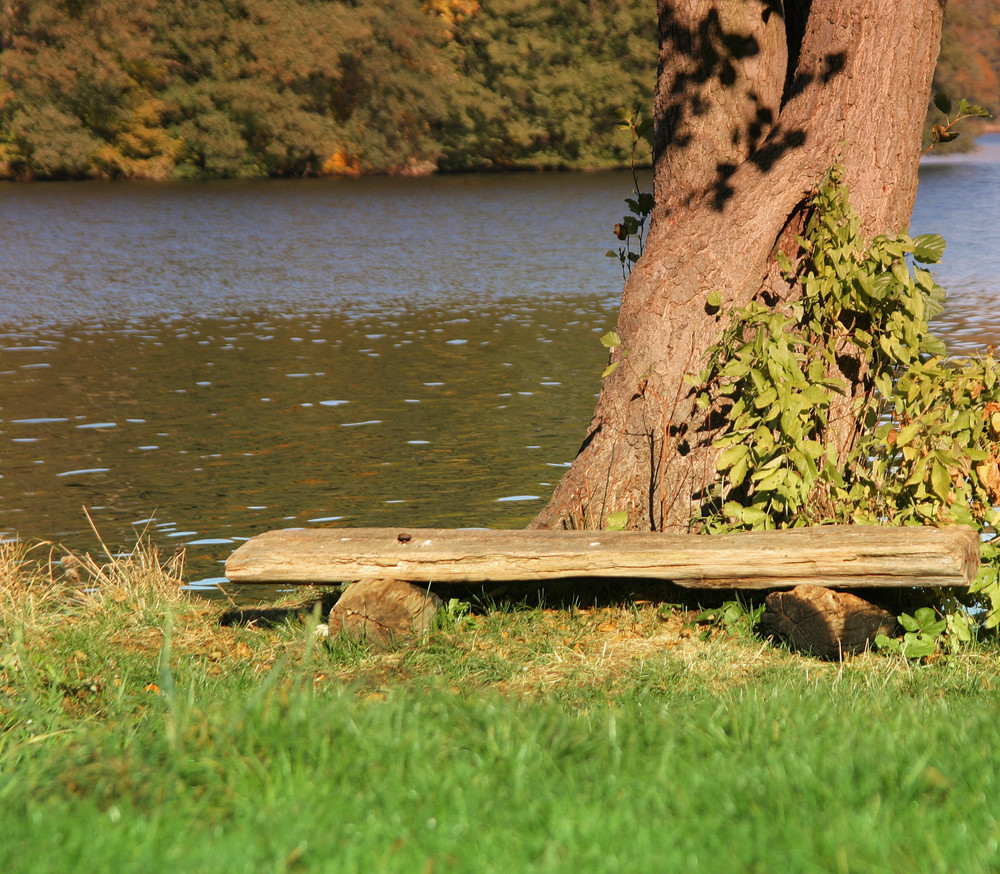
959 197
207 431
206 361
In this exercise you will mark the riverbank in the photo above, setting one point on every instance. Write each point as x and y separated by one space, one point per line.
143 728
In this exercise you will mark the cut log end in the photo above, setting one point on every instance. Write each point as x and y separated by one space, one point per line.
823 622
384 613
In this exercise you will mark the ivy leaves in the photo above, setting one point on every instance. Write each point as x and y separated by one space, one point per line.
771 455
778 370
928 248
927 449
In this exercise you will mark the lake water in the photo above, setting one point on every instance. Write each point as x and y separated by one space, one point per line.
201 362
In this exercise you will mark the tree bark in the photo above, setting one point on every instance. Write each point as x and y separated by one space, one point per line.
755 101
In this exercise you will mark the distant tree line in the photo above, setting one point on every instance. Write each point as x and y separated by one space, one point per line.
969 63
191 88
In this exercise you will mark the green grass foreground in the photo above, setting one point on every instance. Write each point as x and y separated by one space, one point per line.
141 732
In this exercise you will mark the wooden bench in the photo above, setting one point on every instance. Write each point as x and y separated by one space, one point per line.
835 556
392 568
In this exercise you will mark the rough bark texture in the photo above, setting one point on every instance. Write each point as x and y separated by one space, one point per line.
742 140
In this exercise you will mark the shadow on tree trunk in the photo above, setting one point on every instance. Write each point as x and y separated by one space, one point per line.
755 101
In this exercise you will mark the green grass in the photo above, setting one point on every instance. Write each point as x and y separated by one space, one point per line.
604 739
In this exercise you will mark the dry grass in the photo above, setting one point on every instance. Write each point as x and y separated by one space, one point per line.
118 606
39 578
596 651
28 591
122 599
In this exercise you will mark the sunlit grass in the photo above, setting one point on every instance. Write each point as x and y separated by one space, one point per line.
142 729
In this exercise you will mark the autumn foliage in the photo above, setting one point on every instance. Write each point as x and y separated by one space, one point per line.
144 89
298 87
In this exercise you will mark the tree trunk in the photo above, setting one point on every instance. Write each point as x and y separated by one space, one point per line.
752 107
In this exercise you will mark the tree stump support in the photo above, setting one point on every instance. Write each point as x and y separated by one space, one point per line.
384 613
825 623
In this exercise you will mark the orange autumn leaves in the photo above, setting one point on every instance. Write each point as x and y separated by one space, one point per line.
988 470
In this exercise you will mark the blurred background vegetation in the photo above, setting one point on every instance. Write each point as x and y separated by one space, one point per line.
164 89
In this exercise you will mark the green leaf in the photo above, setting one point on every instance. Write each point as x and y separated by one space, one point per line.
907 434
757 518
738 472
713 303
943 102
731 456
933 345
909 622
928 248
616 521
959 627
925 280
972 110
889 644
940 480
883 382
928 621
918 646
766 398
611 340
771 480
901 274
611 368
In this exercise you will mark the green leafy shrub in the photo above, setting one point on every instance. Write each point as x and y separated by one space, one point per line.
920 638
927 446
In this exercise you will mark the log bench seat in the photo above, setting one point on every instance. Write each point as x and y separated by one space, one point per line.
390 571
833 556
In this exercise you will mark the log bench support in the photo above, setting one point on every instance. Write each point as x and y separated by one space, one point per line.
811 561
384 613
825 623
